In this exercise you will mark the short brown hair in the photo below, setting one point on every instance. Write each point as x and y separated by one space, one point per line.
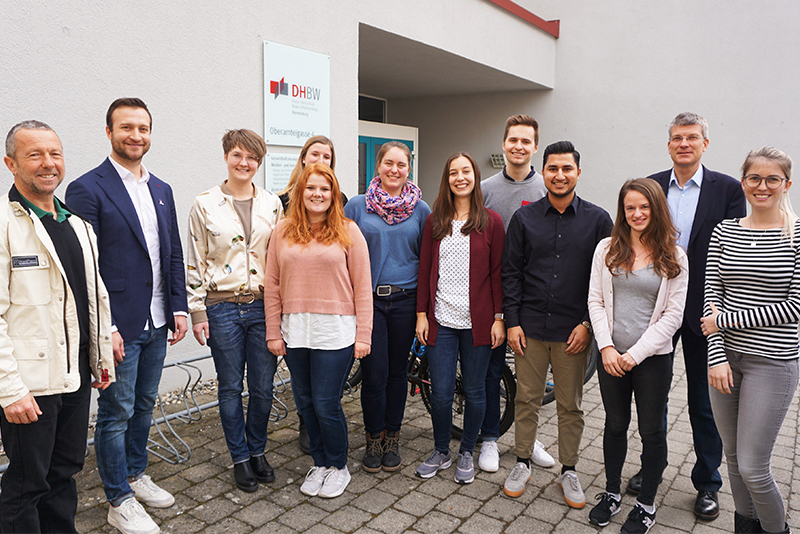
126 102
522 120
246 140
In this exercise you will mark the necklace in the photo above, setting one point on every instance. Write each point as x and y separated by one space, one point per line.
756 239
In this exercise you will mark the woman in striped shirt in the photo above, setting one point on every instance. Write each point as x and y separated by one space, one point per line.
752 297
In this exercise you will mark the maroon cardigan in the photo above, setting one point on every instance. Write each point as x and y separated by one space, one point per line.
485 257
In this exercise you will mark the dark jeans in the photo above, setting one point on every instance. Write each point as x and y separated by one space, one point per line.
239 339
318 378
38 493
490 430
124 412
452 346
385 369
649 383
707 443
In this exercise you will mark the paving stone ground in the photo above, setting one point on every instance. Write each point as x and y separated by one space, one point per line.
208 502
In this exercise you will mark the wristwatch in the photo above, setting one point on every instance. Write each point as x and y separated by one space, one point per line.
500 316
588 326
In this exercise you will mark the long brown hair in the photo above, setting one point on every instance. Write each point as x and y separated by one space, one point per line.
298 168
444 208
333 229
660 236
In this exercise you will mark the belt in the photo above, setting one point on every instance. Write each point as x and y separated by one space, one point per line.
386 290
244 298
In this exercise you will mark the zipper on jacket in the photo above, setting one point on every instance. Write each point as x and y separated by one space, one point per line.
66 329
96 299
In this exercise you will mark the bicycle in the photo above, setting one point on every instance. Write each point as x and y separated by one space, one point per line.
420 382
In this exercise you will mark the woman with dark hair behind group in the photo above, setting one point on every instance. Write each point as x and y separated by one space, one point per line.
637 295
752 302
459 307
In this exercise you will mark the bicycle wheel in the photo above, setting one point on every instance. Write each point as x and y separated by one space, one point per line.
591 367
508 391
355 375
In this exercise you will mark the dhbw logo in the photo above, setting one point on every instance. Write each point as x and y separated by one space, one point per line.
298 91
279 88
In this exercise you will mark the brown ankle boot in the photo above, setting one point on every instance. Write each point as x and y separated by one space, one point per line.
373 454
391 449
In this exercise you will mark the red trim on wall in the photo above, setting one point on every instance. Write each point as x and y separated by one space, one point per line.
550 26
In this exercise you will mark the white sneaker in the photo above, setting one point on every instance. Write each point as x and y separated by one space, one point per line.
149 493
517 478
130 518
489 460
573 493
315 478
540 456
335 482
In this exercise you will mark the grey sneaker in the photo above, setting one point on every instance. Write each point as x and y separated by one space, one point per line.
434 463
573 493
465 470
517 478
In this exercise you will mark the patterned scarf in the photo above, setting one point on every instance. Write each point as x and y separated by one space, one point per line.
393 210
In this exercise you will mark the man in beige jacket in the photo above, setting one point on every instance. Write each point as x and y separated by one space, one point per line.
55 333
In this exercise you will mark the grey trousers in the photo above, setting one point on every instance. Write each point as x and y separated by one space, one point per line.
748 421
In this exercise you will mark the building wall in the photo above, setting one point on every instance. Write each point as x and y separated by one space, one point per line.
623 71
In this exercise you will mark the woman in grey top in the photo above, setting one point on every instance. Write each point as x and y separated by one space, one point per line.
637 294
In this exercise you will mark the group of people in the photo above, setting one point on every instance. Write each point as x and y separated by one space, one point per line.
95 283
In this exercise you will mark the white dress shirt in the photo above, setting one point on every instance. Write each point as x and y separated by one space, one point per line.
142 200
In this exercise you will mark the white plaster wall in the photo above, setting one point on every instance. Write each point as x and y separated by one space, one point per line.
624 69
199 67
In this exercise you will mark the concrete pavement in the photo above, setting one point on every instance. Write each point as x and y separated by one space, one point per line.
208 502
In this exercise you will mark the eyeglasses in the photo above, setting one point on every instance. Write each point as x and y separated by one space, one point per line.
689 138
773 182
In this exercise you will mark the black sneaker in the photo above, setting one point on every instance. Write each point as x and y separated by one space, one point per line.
639 521
603 511
373 455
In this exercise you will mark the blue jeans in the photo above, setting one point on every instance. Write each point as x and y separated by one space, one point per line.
385 369
649 384
451 346
124 412
318 378
490 430
238 338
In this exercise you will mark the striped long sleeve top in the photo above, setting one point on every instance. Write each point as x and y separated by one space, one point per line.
753 277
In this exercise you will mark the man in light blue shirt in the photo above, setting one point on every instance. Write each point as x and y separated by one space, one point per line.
698 200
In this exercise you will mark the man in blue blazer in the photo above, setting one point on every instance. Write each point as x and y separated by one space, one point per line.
698 200
141 262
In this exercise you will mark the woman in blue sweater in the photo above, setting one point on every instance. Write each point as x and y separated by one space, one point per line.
391 215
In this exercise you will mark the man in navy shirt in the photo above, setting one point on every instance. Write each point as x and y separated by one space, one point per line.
546 267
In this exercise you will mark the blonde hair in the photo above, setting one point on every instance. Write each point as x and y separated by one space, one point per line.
785 163
333 229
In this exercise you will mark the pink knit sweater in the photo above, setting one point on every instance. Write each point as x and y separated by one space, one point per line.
317 278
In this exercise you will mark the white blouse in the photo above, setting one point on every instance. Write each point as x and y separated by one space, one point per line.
452 290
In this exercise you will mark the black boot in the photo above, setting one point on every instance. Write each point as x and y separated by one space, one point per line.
302 439
743 524
263 471
391 451
244 477
374 453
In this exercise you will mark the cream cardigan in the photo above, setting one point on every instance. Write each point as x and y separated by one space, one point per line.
667 315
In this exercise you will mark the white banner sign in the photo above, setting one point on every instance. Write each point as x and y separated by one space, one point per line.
297 100
277 169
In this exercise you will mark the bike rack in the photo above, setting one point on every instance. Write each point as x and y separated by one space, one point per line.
169 446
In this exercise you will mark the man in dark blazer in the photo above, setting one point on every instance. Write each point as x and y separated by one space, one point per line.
141 262
698 199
